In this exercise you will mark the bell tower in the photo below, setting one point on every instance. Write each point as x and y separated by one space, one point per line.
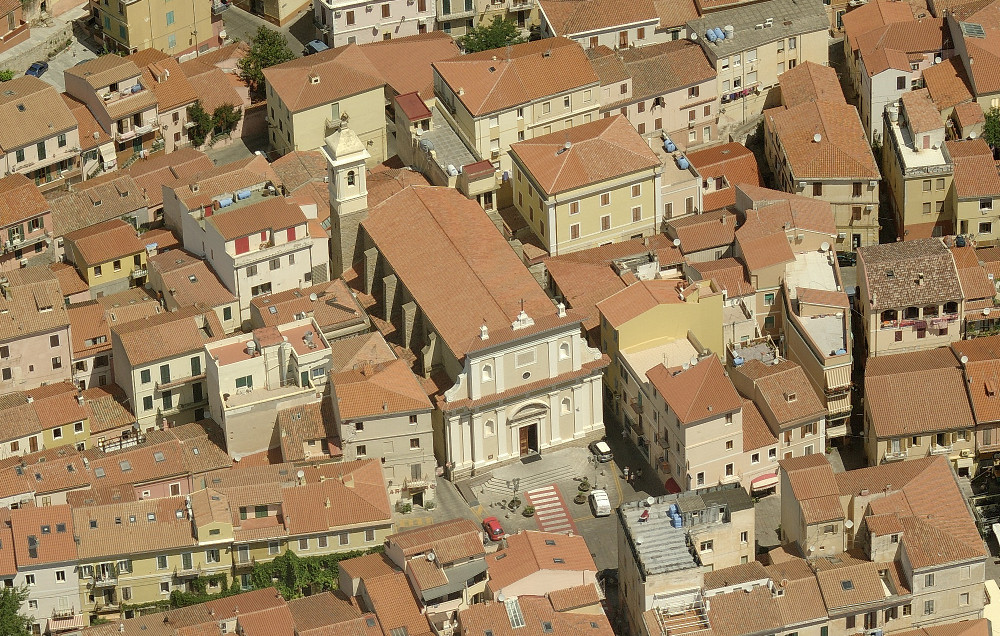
345 157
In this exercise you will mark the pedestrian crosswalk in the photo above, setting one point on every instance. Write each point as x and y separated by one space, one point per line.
551 512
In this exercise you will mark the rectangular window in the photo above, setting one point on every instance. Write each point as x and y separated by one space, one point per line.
304 544
168 400
693 92
273 547
170 18
61 140
901 83
145 376
147 403
817 189
605 199
636 190
929 580
857 189
744 537
57 362
385 11
345 538
637 214
54 340
161 562
574 207
605 222
700 479
350 18
986 228
322 541
768 299
574 231
963 598
928 607
40 146
369 535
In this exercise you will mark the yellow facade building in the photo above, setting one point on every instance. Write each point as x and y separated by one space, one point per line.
572 200
110 256
172 27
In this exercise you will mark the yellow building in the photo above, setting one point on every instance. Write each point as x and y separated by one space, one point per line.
137 553
110 256
975 197
172 27
572 201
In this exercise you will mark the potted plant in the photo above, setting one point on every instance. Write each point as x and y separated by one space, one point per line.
529 511
581 498
584 485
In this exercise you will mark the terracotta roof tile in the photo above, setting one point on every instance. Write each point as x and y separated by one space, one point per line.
20 199
873 15
734 162
273 213
893 274
639 298
575 597
573 17
335 305
188 280
395 604
103 71
728 273
528 552
976 174
605 149
163 75
69 279
167 169
843 151
524 73
183 331
756 433
460 240
91 133
920 111
655 69
810 82
704 231
378 390
405 63
539 619
33 307
451 540
360 498
368 566
853 585
738 613
214 89
790 396
695 394
30 111
947 83
106 242
96 201
43 535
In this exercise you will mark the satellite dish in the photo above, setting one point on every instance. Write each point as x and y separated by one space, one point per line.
694 37
300 474
848 524
313 297
431 557
825 247
650 501
964 359
500 597
817 138
677 242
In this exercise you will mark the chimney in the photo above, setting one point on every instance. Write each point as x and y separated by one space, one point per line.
367 369
326 502
484 333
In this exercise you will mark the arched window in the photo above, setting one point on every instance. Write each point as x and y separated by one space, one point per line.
564 351
350 177
565 407
911 313
487 373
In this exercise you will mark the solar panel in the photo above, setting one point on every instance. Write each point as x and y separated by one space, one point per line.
973 30
514 613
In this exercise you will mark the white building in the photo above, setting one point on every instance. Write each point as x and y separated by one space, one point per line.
340 22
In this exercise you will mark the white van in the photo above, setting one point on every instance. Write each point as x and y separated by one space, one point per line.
600 505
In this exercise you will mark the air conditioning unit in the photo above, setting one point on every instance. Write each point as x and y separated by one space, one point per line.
965 452
336 14
841 235
872 184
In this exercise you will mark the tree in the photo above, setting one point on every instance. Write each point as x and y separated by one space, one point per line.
268 48
495 35
225 118
6 75
991 129
12 622
202 123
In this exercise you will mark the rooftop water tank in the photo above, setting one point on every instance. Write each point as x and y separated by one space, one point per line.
669 146
683 163
243 194
841 351
225 202
960 241
710 35
136 88
737 361
719 33
730 31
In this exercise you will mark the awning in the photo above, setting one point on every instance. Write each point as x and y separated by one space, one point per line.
77 621
672 486
764 482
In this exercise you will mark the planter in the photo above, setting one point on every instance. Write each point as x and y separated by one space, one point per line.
584 486
529 511
581 498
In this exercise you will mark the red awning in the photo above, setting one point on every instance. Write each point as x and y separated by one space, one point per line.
763 482
672 486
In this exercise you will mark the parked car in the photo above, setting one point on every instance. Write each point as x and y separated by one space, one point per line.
493 529
847 259
602 451
314 46
37 69
600 504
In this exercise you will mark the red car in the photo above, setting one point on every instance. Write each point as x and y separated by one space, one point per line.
492 527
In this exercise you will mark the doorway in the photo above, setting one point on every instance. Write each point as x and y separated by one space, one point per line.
418 498
528 438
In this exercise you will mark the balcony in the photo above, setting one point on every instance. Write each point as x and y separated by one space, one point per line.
104 580
521 5
66 612
143 130
894 456
188 572
170 384
126 135
416 484
938 449
243 564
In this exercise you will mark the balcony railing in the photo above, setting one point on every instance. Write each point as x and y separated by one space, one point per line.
170 384
105 580
938 449
894 456
145 129
245 563
125 135
420 482
138 272
66 612
188 572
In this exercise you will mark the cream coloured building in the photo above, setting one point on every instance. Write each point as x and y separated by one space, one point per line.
557 89
571 202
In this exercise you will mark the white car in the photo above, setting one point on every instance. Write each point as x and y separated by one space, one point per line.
600 504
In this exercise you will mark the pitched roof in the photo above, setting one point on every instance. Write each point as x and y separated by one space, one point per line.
299 167
160 170
335 305
163 75
873 15
761 246
728 273
842 152
655 70
909 273
975 171
700 392
20 199
777 211
921 113
584 155
378 390
788 395
810 82
395 604
184 331
756 432
450 540
355 351
699 232
947 83
30 111
105 242
522 73
936 388
103 71
90 132
33 306
538 616
360 498
328 76
734 162
43 535
528 552
462 246
572 17
273 213
96 200
189 280
887 46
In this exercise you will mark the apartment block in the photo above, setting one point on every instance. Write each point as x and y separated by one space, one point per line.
35 341
113 90
27 230
174 29
41 139
250 377
605 23
572 203
340 22
182 280
721 169
910 296
541 563
559 90
110 256
816 147
975 195
768 39
919 169
163 75
668 88
936 420
45 554
166 381
332 305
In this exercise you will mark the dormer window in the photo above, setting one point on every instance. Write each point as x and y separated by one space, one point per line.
790 397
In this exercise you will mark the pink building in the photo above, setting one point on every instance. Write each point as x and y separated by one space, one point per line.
340 22
34 335
26 220
668 87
